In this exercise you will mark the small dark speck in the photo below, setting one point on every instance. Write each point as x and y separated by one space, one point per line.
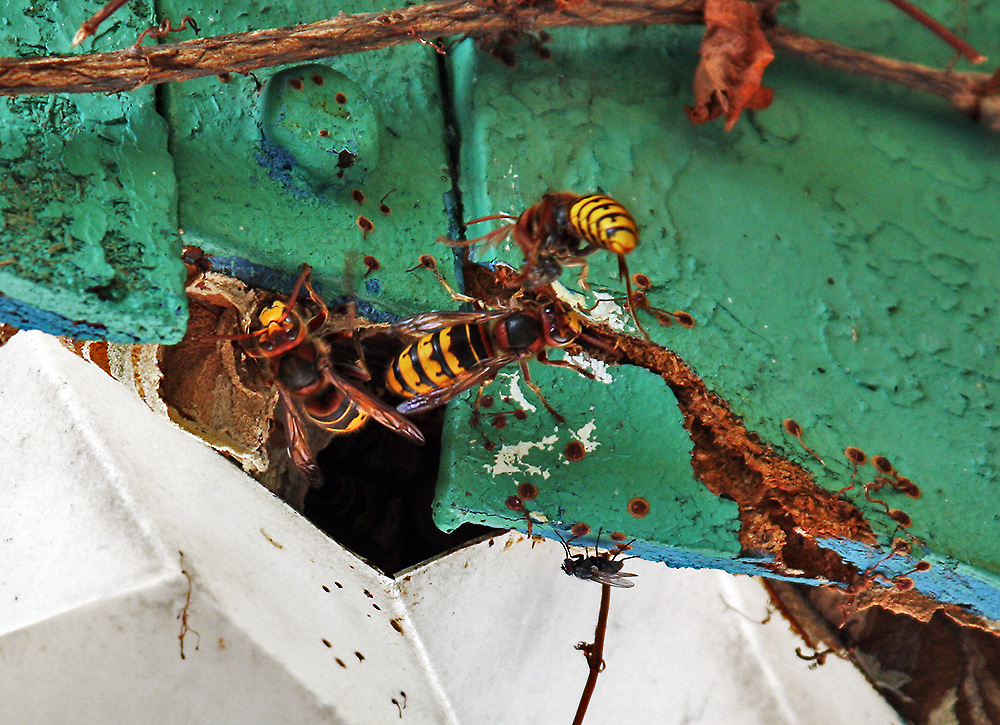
892 309
821 370
829 280
318 79
327 643
340 98
376 606
361 657
296 83
339 585
326 588
369 594
340 662
345 159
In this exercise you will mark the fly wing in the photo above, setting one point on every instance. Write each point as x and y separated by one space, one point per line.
614 578
368 403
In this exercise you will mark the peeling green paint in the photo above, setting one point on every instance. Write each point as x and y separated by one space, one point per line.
837 252
624 457
243 195
88 236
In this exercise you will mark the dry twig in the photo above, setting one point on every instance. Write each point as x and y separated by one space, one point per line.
123 70
594 654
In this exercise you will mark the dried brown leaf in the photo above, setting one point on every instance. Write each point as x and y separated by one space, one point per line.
734 53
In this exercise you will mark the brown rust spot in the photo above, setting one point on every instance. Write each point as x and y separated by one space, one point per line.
684 319
340 98
580 529
855 455
638 507
575 451
792 427
908 487
901 517
527 491
295 83
358 196
617 536
902 583
499 421
383 207
396 625
883 465
366 225
514 503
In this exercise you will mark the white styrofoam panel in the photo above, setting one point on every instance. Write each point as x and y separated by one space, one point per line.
100 497
106 496
683 646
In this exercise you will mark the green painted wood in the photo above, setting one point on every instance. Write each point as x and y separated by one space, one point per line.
837 250
88 241
255 174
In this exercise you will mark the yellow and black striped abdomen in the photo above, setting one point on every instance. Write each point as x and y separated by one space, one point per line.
603 221
334 411
438 360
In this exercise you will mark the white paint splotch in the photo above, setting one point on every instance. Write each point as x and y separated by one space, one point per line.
512 381
598 367
584 434
510 457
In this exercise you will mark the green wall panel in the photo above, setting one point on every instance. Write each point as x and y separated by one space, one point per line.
244 193
88 240
838 251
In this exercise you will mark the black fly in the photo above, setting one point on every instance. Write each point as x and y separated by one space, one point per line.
600 568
